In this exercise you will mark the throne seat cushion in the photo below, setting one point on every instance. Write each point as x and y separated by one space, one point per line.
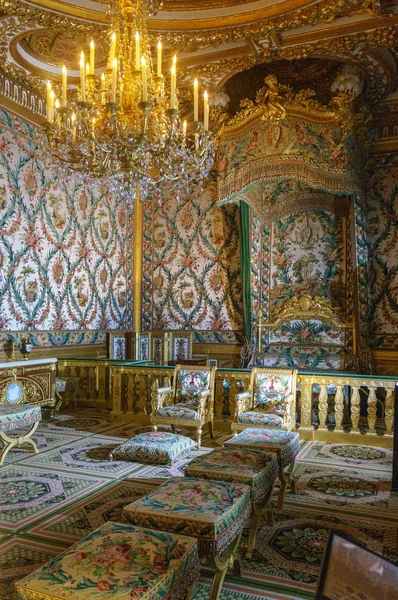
154 447
254 468
177 411
260 418
212 511
117 561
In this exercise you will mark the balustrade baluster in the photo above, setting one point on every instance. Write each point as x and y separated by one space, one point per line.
145 380
306 404
355 410
323 408
116 392
339 409
130 393
372 405
219 396
101 384
389 412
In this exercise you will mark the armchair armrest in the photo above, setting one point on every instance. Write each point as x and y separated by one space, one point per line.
205 394
243 402
288 403
159 397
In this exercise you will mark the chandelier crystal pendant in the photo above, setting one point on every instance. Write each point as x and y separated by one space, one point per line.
126 126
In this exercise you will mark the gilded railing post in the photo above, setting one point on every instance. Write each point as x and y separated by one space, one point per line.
372 404
116 374
323 408
144 382
306 404
130 393
389 412
102 384
339 409
219 396
355 409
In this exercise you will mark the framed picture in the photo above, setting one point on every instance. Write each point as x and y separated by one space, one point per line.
117 346
351 572
144 347
181 345
161 347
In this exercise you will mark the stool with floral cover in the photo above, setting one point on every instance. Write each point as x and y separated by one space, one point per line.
286 445
214 512
118 561
258 470
16 416
270 401
188 403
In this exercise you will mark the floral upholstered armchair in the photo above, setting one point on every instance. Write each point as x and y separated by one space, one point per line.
188 403
270 401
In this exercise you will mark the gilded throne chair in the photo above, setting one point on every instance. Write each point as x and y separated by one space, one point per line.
270 401
189 402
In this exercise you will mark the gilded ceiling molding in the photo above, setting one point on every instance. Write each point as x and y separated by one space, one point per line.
323 11
29 14
358 48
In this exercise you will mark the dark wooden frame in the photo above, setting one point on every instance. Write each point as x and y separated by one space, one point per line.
320 595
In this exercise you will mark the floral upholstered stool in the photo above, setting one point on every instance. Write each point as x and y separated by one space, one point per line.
286 444
212 511
118 561
154 447
254 468
15 416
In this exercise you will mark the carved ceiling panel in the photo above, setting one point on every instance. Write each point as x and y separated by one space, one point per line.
229 44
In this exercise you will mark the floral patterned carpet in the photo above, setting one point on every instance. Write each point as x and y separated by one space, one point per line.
50 500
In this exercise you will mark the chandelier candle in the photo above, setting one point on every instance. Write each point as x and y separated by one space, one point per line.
82 79
92 63
159 63
206 111
195 101
137 51
64 84
126 127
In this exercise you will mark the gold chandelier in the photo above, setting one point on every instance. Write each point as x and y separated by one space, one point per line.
126 125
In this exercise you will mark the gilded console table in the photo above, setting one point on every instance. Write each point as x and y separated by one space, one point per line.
28 382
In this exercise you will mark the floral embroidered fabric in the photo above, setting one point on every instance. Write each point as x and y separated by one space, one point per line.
117 561
14 416
154 447
190 384
212 511
271 390
254 468
260 418
177 411
285 443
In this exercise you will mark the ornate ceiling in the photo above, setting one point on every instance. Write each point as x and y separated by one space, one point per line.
230 44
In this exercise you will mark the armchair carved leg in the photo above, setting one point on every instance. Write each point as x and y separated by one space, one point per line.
173 428
199 436
154 427
211 429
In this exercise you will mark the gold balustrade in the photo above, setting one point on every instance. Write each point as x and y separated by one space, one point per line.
354 409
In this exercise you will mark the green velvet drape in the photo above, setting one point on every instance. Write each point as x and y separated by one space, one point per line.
244 245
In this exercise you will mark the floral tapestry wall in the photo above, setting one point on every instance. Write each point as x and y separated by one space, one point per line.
192 257
63 245
382 221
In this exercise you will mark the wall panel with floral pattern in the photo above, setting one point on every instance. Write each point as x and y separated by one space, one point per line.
63 245
192 255
382 221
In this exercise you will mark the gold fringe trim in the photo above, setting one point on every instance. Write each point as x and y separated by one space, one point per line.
237 181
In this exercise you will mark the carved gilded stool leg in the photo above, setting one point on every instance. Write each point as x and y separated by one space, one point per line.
16 416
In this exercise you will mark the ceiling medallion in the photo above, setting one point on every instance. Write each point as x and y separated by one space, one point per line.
125 127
